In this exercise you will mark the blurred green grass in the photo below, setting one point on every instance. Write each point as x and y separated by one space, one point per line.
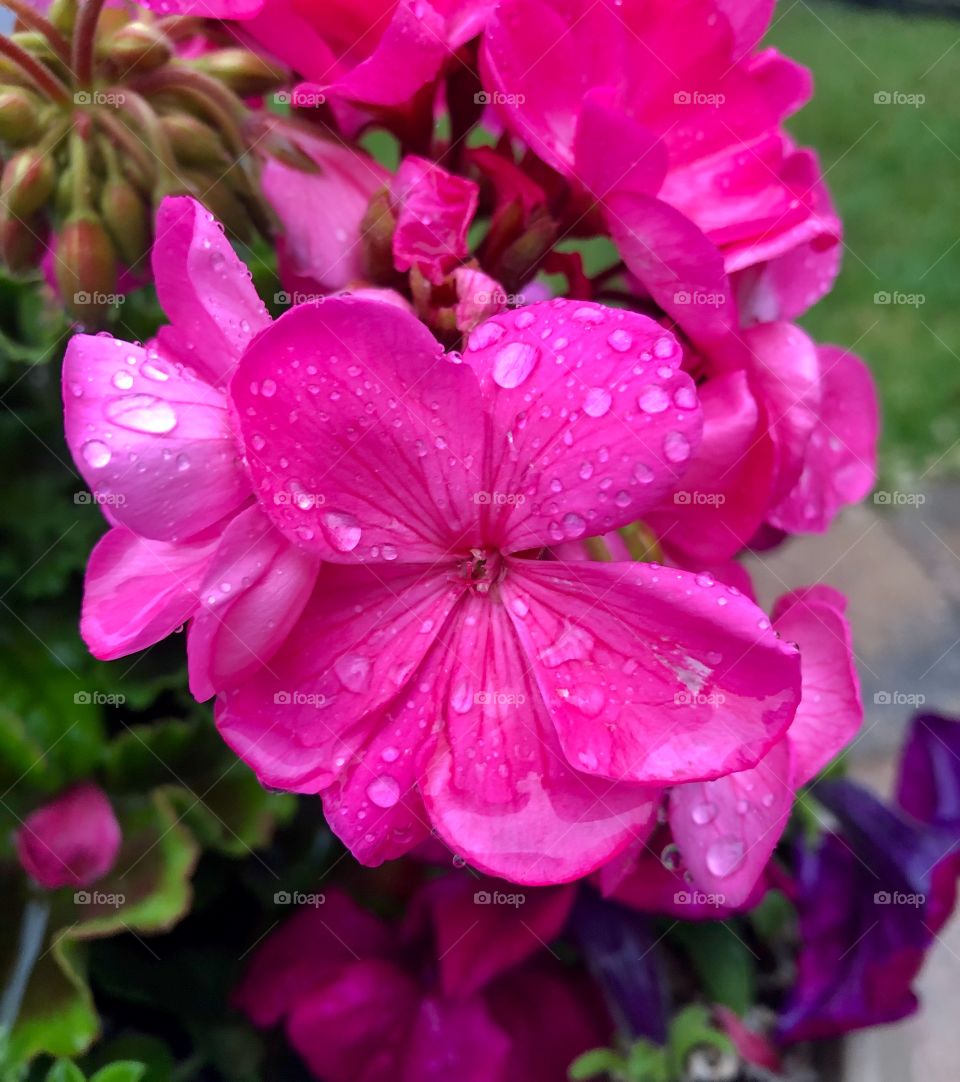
894 170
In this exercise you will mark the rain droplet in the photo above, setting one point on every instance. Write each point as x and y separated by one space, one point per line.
384 791
725 856
123 379
485 335
685 398
514 363
670 857
653 399
597 402
704 813
142 413
344 530
390 754
268 388
663 347
676 447
96 454
619 340
354 671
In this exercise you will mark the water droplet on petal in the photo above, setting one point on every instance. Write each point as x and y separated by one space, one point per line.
354 671
619 340
676 447
525 319
725 856
142 413
642 473
574 525
390 754
268 388
485 335
597 402
96 454
704 813
663 347
344 530
653 399
384 791
685 398
514 363
670 857
123 379
589 315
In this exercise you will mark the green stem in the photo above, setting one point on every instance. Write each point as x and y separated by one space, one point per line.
40 76
33 926
85 41
29 16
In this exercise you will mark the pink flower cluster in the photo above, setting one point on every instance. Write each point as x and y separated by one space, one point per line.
412 528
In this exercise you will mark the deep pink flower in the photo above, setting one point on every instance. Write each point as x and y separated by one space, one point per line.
434 209
460 988
150 430
321 213
523 709
376 52
72 841
642 100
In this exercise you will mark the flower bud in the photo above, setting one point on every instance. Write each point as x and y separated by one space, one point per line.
192 141
21 243
63 15
71 842
85 264
28 182
138 47
126 217
242 71
19 121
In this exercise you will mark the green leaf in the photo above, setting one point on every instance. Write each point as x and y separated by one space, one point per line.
140 1048
723 962
692 1028
595 1063
124 1071
65 1071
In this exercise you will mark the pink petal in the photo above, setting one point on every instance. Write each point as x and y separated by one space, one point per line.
206 9
613 153
675 263
478 297
72 841
725 495
786 378
460 1040
307 952
255 586
137 591
204 289
322 212
840 464
727 829
434 209
830 711
748 19
498 790
367 443
150 438
650 674
326 696
592 421
484 928
357 1028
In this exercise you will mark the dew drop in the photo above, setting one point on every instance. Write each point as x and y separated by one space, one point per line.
344 530
142 413
724 856
390 754
653 399
268 388
574 525
676 447
485 335
619 340
96 454
354 671
704 813
123 379
514 363
685 398
384 791
670 857
589 315
597 402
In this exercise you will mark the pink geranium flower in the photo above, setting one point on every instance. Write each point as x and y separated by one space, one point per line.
72 841
150 430
441 676
463 988
665 113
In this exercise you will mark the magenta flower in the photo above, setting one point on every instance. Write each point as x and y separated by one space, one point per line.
714 858
658 108
71 842
443 677
150 430
321 213
462 988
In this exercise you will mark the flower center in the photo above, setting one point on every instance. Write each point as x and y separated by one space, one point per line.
482 569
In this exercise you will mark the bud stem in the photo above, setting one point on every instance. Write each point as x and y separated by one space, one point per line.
29 16
42 77
223 108
84 41
33 927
